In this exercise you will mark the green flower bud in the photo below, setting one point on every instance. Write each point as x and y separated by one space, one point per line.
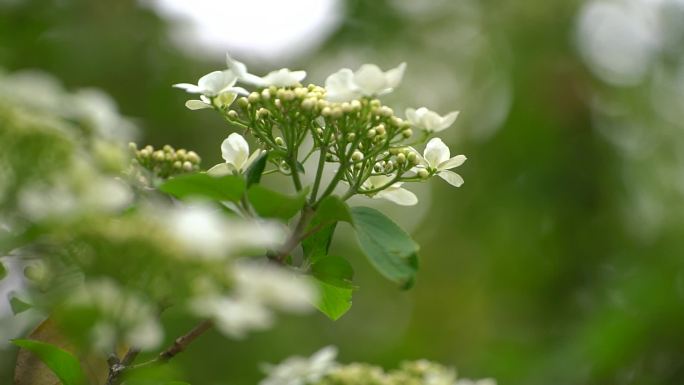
401 158
279 141
346 107
329 157
407 133
351 136
278 103
187 166
177 165
357 156
411 157
158 155
262 112
322 103
288 95
266 94
375 103
337 112
371 133
308 104
380 129
232 114
301 92
132 146
168 148
253 97
193 157
386 111
355 105
423 173
326 112
243 102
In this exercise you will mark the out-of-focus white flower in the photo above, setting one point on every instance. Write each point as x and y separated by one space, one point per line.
301 370
233 316
283 77
121 316
369 80
484 381
274 286
207 232
430 121
222 100
100 110
394 193
436 158
44 201
235 151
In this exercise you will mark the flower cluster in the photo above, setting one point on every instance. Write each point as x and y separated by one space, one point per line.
361 142
165 162
321 369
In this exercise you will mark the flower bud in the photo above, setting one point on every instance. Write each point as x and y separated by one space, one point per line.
346 107
166 148
187 166
266 94
329 157
272 89
380 129
394 150
337 112
423 173
301 92
357 156
355 105
132 146
280 94
378 167
158 155
401 158
243 102
397 122
351 136
279 141
411 157
386 111
327 112
182 153
319 131
193 157
262 112
375 103
371 133
389 166
177 165
322 103
253 97
278 103
288 95
308 104
232 114
407 133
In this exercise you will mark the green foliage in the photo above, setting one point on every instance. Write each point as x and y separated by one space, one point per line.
256 169
17 305
389 248
202 185
62 363
3 270
270 204
333 270
334 300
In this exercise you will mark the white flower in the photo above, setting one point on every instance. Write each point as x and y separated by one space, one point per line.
484 381
301 370
233 316
436 158
369 80
274 286
279 78
430 121
235 151
213 84
203 230
217 85
394 193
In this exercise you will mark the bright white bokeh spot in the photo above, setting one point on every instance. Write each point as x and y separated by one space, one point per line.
270 30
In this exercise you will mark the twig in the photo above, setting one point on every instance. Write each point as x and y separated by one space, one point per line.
179 345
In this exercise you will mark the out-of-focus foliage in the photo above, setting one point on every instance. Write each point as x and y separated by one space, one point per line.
561 261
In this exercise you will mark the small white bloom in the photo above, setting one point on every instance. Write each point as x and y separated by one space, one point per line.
213 84
222 100
235 151
436 157
233 316
274 286
283 77
369 80
430 121
394 193
301 370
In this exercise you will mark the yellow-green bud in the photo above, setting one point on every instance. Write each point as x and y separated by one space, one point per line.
319 131
265 94
177 165
386 111
158 155
351 136
380 129
187 166
375 103
132 146
193 157
322 103
401 158
232 114
394 150
357 156
279 141
355 105
327 112
167 148
280 94
337 112
308 104
407 133
253 97
423 173
273 89
262 112
371 133
301 92
288 95
411 157
243 102
346 107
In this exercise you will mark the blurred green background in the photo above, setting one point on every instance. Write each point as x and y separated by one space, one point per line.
560 259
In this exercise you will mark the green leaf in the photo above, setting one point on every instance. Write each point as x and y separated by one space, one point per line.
330 211
271 204
17 305
334 301
389 248
3 271
256 169
202 185
65 366
335 271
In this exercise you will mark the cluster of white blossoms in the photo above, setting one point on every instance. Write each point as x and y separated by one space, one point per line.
371 149
322 369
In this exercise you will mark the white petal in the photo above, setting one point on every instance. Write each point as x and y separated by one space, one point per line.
238 90
379 180
239 68
452 163
398 195
211 83
395 75
191 88
284 77
370 79
225 99
340 87
436 152
449 119
195 104
411 116
451 177
221 169
235 150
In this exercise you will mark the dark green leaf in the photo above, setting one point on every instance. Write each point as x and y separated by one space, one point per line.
333 301
202 185
335 271
17 305
389 248
256 169
271 204
3 271
317 244
65 366
329 212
